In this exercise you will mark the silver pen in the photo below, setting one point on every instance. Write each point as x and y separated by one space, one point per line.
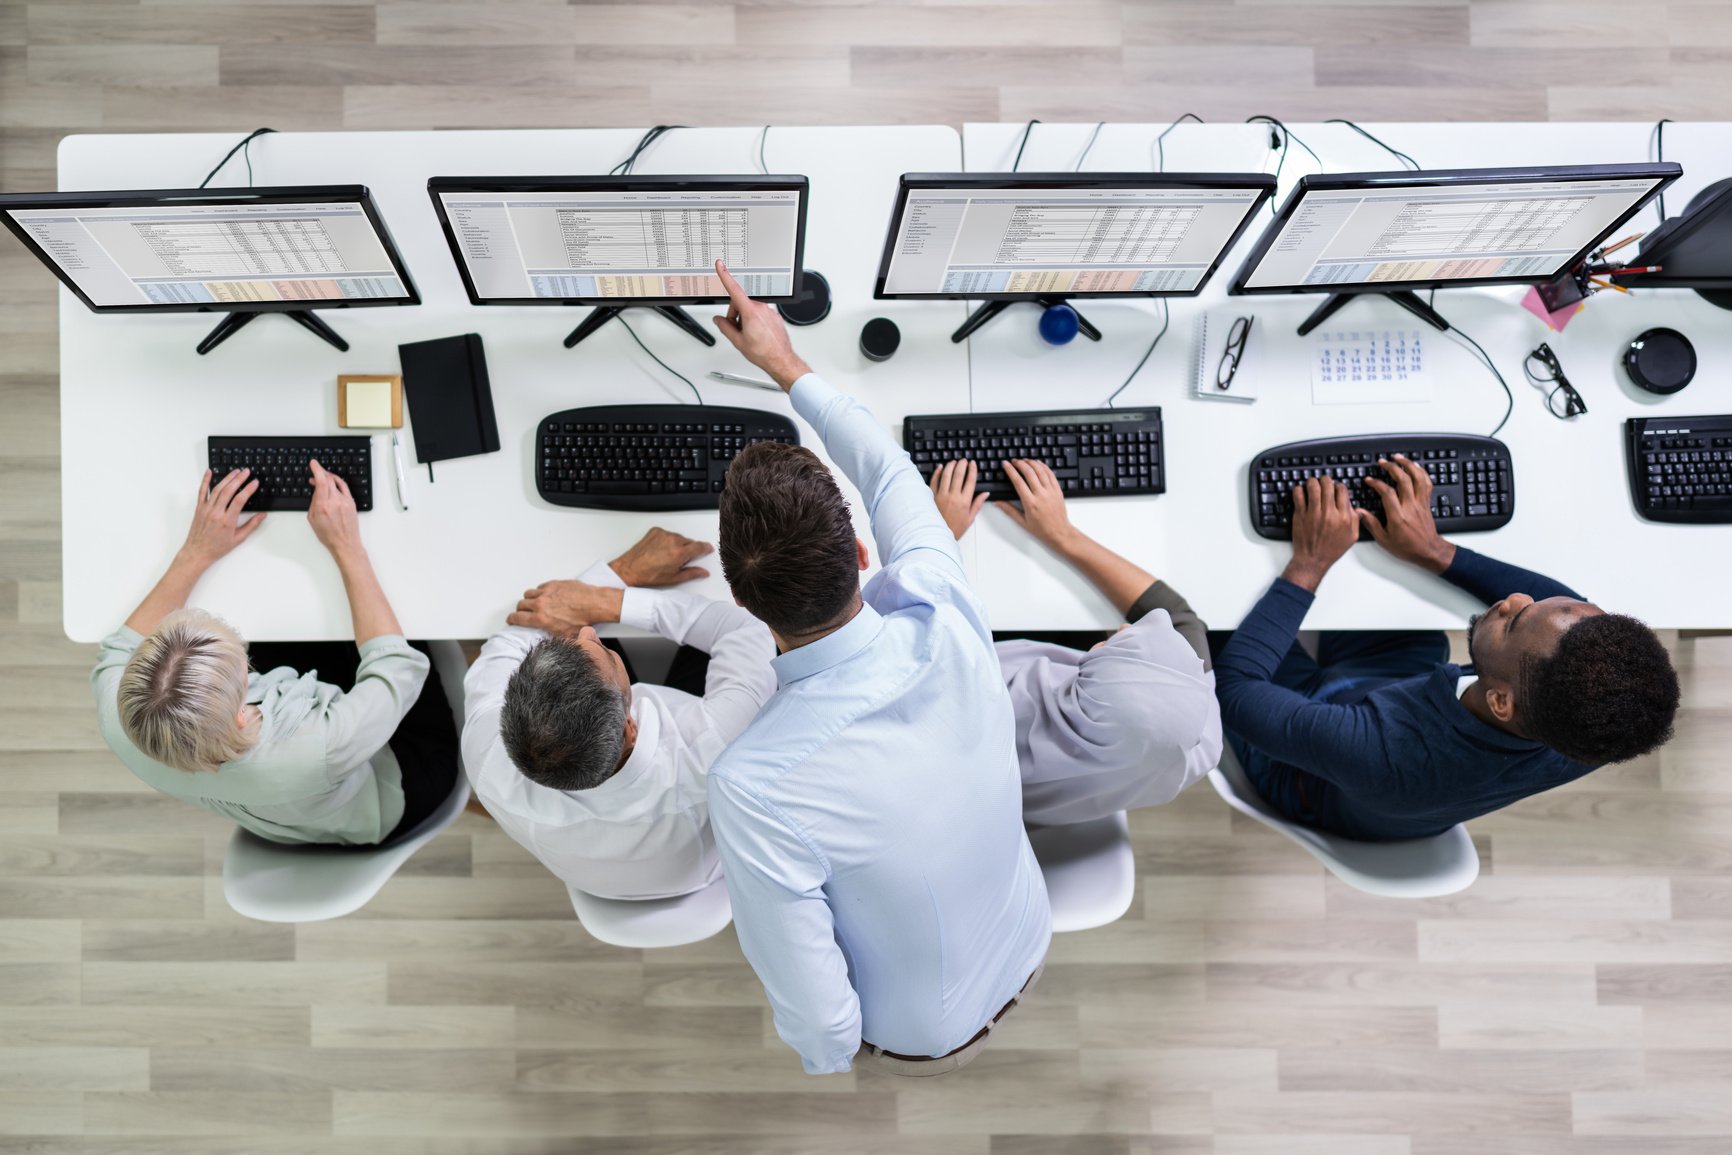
736 379
397 469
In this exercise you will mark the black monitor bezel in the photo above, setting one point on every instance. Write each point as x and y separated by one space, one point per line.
1664 174
275 194
1263 183
1682 227
544 184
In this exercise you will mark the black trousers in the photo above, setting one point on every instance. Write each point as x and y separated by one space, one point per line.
687 672
425 742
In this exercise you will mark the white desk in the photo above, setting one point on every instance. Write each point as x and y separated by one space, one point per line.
137 403
1573 515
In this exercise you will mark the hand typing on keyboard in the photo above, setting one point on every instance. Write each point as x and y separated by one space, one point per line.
331 514
1325 527
216 525
953 490
1408 530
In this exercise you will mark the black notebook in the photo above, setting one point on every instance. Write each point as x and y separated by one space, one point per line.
450 401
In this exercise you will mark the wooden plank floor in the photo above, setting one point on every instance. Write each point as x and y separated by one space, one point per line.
1577 1000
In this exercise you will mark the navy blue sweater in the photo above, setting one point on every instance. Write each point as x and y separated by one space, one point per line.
1406 761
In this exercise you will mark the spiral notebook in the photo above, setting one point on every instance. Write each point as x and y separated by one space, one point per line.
1211 344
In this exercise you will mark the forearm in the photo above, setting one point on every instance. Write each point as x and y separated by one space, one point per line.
899 505
369 610
169 594
1491 580
1119 580
1262 640
1186 622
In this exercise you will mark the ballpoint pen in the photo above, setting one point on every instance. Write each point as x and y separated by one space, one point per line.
1618 244
397 470
736 379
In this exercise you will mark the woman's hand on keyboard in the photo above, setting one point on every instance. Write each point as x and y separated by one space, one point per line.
216 525
1041 497
331 514
953 490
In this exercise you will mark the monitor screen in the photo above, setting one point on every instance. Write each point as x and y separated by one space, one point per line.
179 250
1034 235
636 240
1383 231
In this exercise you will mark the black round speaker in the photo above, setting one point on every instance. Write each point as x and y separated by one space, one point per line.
1660 361
813 303
880 338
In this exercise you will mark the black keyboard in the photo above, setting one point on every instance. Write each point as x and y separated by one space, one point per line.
1472 477
1680 468
647 457
279 464
1094 452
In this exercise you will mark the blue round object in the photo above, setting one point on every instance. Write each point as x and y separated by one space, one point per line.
1059 324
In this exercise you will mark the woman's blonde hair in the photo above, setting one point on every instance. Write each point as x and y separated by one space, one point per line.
182 692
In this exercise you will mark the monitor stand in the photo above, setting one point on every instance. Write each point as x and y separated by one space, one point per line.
993 308
1406 298
234 322
602 314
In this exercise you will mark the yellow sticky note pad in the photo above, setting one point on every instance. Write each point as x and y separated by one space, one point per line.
369 402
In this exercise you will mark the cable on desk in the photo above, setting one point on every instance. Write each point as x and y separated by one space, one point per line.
1395 152
1509 407
1282 138
1093 136
1160 141
621 319
245 149
762 138
624 167
1166 319
1657 143
1026 129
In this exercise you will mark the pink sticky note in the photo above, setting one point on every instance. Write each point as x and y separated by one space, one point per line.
1555 320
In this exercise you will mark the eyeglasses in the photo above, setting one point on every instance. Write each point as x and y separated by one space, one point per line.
1233 353
1549 372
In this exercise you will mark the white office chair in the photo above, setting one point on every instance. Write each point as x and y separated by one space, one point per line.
279 882
644 924
1090 871
1413 868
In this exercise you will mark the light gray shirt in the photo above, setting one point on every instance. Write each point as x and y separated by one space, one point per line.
322 769
1130 723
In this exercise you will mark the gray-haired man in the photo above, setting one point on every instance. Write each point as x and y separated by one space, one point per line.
602 780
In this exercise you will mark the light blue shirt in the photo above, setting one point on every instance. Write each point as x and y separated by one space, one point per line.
870 818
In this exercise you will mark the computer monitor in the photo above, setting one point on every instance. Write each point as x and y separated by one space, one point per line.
1397 232
1052 237
623 242
1693 250
237 251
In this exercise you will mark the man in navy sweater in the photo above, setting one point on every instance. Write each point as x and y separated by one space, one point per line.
1381 738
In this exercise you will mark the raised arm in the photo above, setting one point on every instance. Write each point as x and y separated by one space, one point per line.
740 678
1409 531
776 882
898 505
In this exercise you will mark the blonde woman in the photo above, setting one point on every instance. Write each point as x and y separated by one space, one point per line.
315 742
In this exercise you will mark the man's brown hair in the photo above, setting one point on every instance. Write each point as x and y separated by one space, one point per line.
787 541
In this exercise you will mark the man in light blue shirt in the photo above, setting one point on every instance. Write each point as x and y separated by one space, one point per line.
870 818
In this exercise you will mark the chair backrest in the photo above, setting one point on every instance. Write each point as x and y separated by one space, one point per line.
1412 868
1090 871
277 882
645 924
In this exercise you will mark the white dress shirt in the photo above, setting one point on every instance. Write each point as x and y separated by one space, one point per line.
645 832
870 818
1128 724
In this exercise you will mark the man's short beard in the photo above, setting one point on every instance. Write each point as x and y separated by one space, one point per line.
1472 623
